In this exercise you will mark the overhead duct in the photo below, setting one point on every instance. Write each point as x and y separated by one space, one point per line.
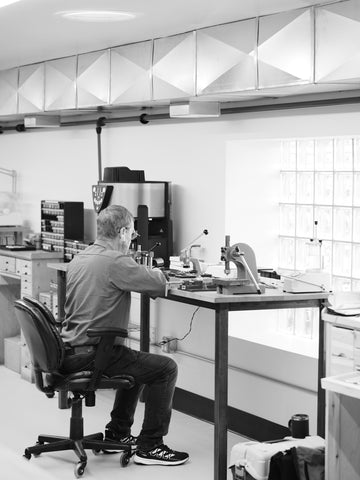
296 53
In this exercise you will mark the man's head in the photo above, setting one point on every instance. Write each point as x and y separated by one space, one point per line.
115 224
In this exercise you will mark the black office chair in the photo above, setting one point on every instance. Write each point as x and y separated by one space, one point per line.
47 353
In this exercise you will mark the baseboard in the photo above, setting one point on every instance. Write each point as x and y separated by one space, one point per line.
240 422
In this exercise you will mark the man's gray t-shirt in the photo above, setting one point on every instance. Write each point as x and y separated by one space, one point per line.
98 285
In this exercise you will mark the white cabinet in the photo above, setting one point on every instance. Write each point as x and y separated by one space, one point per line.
342 459
29 270
342 344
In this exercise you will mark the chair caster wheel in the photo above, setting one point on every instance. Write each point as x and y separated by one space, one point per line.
27 454
96 451
38 454
125 459
79 469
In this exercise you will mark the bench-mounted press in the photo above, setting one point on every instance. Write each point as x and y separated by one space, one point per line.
246 280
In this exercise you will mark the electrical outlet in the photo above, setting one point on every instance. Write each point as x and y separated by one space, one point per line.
134 333
169 345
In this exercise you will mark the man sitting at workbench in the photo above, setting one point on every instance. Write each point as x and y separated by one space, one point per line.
99 282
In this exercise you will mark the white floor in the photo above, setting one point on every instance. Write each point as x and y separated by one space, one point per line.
25 412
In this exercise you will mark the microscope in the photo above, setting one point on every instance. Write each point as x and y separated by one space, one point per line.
246 280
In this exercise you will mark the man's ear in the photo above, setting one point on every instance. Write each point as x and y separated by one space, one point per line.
121 232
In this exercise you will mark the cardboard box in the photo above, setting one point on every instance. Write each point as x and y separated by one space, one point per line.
12 348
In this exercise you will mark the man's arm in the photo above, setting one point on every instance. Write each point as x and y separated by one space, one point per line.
128 275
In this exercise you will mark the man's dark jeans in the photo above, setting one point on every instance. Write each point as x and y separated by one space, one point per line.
158 372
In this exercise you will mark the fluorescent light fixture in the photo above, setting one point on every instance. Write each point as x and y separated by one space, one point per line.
97 15
195 110
5 3
42 121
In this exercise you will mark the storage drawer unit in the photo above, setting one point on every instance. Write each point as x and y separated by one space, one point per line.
29 273
342 344
7 264
23 267
61 221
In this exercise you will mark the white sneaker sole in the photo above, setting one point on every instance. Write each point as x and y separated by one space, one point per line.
133 448
149 461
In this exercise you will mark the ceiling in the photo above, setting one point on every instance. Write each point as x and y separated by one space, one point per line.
32 31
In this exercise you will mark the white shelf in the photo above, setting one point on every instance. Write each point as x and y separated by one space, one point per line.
345 384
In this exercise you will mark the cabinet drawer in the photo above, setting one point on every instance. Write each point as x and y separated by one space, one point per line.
26 288
339 365
27 373
26 281
342 344
25 355
23 267
7 264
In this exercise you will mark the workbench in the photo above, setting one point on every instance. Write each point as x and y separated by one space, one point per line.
222 305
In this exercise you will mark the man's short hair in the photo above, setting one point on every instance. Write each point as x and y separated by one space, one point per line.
111 219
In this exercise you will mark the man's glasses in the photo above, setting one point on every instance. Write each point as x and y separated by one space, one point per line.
134 233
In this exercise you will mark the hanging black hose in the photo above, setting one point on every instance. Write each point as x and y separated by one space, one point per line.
99 124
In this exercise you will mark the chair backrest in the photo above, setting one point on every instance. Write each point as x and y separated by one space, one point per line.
42 338
40 306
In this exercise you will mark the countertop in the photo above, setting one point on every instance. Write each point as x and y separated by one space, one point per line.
31 254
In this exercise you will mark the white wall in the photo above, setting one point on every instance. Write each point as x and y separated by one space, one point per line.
252 196
62 164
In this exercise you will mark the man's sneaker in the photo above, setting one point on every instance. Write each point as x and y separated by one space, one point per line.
128 440
161 455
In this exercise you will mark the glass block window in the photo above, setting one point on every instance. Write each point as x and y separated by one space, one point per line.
320 181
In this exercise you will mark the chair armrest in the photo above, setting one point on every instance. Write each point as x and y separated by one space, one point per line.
103 350
106 332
